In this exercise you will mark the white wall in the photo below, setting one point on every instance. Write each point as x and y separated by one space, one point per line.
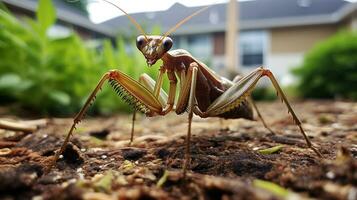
281 65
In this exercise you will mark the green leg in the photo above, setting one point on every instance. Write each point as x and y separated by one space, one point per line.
150 84
259 115
141 96
251 101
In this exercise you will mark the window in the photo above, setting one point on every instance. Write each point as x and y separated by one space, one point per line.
200 46
252 48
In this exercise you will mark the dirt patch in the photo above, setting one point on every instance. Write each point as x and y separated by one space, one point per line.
227 161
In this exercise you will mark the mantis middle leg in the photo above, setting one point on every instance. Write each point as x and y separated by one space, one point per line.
187 100
260 115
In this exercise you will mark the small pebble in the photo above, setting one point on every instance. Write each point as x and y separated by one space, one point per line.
330 175
56 178
4 151
81 176
104 156
37 198
73 180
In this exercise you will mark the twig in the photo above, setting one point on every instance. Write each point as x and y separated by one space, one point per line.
16 126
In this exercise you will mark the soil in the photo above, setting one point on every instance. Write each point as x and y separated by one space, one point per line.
230 159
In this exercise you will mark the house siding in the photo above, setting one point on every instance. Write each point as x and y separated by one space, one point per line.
284 50
298 39
289 45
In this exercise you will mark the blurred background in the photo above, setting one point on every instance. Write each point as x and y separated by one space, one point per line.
53 52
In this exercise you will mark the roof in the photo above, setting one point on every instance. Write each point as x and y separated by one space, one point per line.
257 14
65 13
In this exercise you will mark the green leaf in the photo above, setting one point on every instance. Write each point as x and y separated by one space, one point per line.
271 150
9 81
60 97
108 53
104 184
163 179
327 67
14 83
46 14
271 187
3 7
53 75
15 39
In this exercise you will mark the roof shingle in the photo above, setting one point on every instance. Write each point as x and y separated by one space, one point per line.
253 14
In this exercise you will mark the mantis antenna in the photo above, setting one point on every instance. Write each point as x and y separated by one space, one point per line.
184 21
136 24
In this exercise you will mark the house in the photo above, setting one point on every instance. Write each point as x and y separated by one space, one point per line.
273 33
69 18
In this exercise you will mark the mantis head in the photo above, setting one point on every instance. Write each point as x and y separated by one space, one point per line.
154 47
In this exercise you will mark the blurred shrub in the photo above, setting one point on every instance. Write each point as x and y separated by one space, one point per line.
264 94
55 75
330 68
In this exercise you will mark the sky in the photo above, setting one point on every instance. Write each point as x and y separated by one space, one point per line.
101 11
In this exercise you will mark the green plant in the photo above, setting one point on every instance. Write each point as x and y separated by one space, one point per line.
264 93
330 68
55 75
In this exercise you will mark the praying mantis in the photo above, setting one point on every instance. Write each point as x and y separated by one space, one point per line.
200 90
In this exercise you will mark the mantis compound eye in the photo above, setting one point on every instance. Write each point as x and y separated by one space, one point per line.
167 43
140 41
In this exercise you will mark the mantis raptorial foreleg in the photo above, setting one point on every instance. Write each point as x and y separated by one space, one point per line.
140 97
151 85
80 115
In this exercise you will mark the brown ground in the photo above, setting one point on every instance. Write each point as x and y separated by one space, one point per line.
226 161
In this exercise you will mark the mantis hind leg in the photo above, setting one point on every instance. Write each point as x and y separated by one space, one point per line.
236 94
187 102
251 101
